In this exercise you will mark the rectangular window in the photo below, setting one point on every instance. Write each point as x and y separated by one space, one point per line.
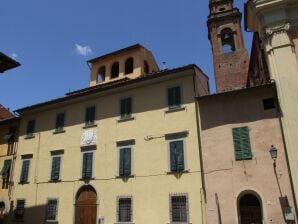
20 210
25 171
124 162
242 143
59 122
124 209
126 107
30 128
268 103
52 210
90 116
87 165
6 169
174 97
55 171
177 163
179 209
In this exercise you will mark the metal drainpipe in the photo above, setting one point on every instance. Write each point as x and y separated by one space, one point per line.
203 208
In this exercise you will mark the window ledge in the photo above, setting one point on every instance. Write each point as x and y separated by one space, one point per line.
23 183
175 172
89 126
30 136
58 131
87 179
125 177
174 109
54 181
123 119
51 221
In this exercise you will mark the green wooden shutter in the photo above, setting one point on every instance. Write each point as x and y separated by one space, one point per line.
55 168
128 106
177 96
173 157
6 168
121 163
60 121
242 143
87 165
180 155
171 97
125 162
90 115
30 127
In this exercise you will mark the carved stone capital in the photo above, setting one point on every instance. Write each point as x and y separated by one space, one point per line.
277 29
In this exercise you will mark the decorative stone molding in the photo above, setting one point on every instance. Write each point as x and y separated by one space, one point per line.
277 29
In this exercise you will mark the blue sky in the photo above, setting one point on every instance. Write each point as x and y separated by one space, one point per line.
44 36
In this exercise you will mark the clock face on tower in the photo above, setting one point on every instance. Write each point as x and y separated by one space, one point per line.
88 138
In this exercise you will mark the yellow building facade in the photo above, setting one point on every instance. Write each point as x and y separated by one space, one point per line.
124 150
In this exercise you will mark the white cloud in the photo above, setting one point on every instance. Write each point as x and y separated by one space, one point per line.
83 50
14 55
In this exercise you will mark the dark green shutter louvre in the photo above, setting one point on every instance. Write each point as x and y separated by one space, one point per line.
60 121
55 168
125 162
25 171
30 127
128 106
87 165
173 157
90 115
177 96
6 168
242 143
180 155
171 97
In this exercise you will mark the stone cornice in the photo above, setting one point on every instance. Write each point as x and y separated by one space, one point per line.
277 29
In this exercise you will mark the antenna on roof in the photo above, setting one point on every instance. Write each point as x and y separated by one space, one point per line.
164 65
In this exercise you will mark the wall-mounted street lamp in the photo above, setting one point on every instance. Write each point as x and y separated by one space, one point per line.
273 154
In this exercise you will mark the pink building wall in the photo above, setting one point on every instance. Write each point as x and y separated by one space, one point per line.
228 178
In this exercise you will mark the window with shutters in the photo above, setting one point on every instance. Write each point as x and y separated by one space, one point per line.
124 210
126 108
20 209
129 66
174 97
30 129
90 116
25 171
55 170
115 70
6 169
59 126
177 155
242 145
52 210
179 209
87 167
125 157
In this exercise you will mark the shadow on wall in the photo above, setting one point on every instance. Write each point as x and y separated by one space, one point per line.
236 107
32 215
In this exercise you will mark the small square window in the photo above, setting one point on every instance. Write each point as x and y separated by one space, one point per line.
179 209
20 210
30 128
125 108
60 118
90 116
124 210
174 97
268 103
52 210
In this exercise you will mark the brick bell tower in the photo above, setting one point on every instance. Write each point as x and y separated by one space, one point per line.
230 56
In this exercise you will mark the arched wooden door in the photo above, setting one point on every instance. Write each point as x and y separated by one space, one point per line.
250 210
86 207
